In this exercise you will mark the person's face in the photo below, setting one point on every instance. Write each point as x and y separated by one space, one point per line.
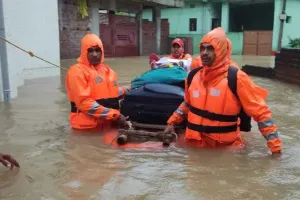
94 55
207 54
177 50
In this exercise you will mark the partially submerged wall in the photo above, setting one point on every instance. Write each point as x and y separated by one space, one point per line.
287 65
32 25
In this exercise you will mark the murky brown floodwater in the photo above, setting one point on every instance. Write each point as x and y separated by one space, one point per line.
57 163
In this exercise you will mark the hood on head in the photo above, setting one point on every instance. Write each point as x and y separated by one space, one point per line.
229 48
217 38
89 40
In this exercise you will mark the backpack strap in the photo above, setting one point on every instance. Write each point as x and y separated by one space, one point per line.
232 80
191 75
232 84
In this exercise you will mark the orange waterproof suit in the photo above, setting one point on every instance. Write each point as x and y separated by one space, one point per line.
212 109
92 90
198 63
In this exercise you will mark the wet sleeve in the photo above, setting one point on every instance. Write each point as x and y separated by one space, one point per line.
252 98
123 90
181 112
81 91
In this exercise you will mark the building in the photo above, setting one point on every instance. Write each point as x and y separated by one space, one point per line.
39 26
32 25
253 26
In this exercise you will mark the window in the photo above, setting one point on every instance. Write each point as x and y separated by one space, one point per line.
215 23
193 24
288 19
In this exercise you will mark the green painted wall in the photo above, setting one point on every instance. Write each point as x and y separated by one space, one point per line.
179 23
291 29
237 39
179 18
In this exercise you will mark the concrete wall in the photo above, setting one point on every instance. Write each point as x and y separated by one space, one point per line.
1 86
72 27
291 29
287 65
33 25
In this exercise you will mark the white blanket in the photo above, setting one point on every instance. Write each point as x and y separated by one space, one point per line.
169 62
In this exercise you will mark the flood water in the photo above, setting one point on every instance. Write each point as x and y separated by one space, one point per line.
58 163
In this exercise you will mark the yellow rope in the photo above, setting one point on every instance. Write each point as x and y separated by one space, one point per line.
31 53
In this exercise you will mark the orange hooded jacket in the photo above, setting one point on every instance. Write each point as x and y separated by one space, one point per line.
92 90
212 109
197 61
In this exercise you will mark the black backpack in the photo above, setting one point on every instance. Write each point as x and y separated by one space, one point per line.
245 124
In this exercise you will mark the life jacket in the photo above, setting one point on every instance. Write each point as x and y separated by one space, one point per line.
245 120
106 93
103 89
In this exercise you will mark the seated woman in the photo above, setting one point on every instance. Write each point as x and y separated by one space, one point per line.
166 70
177 54
169 62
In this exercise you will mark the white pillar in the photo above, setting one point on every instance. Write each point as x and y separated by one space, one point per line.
156 14
95 5
225 16
139 19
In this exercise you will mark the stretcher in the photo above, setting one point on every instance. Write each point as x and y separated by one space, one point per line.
141 132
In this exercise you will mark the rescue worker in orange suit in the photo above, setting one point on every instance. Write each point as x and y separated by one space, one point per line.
210 95
197 61
177 50
93 89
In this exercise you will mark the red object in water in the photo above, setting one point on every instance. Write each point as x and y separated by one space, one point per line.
153 57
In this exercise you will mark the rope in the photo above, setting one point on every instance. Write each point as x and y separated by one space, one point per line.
32 54
114 138
176 136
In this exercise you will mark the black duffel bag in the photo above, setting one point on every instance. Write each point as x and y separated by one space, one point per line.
152 103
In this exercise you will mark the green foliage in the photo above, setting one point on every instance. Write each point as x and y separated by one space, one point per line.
294 43
82 8
122 13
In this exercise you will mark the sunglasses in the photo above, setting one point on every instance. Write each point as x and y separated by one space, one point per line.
91 50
